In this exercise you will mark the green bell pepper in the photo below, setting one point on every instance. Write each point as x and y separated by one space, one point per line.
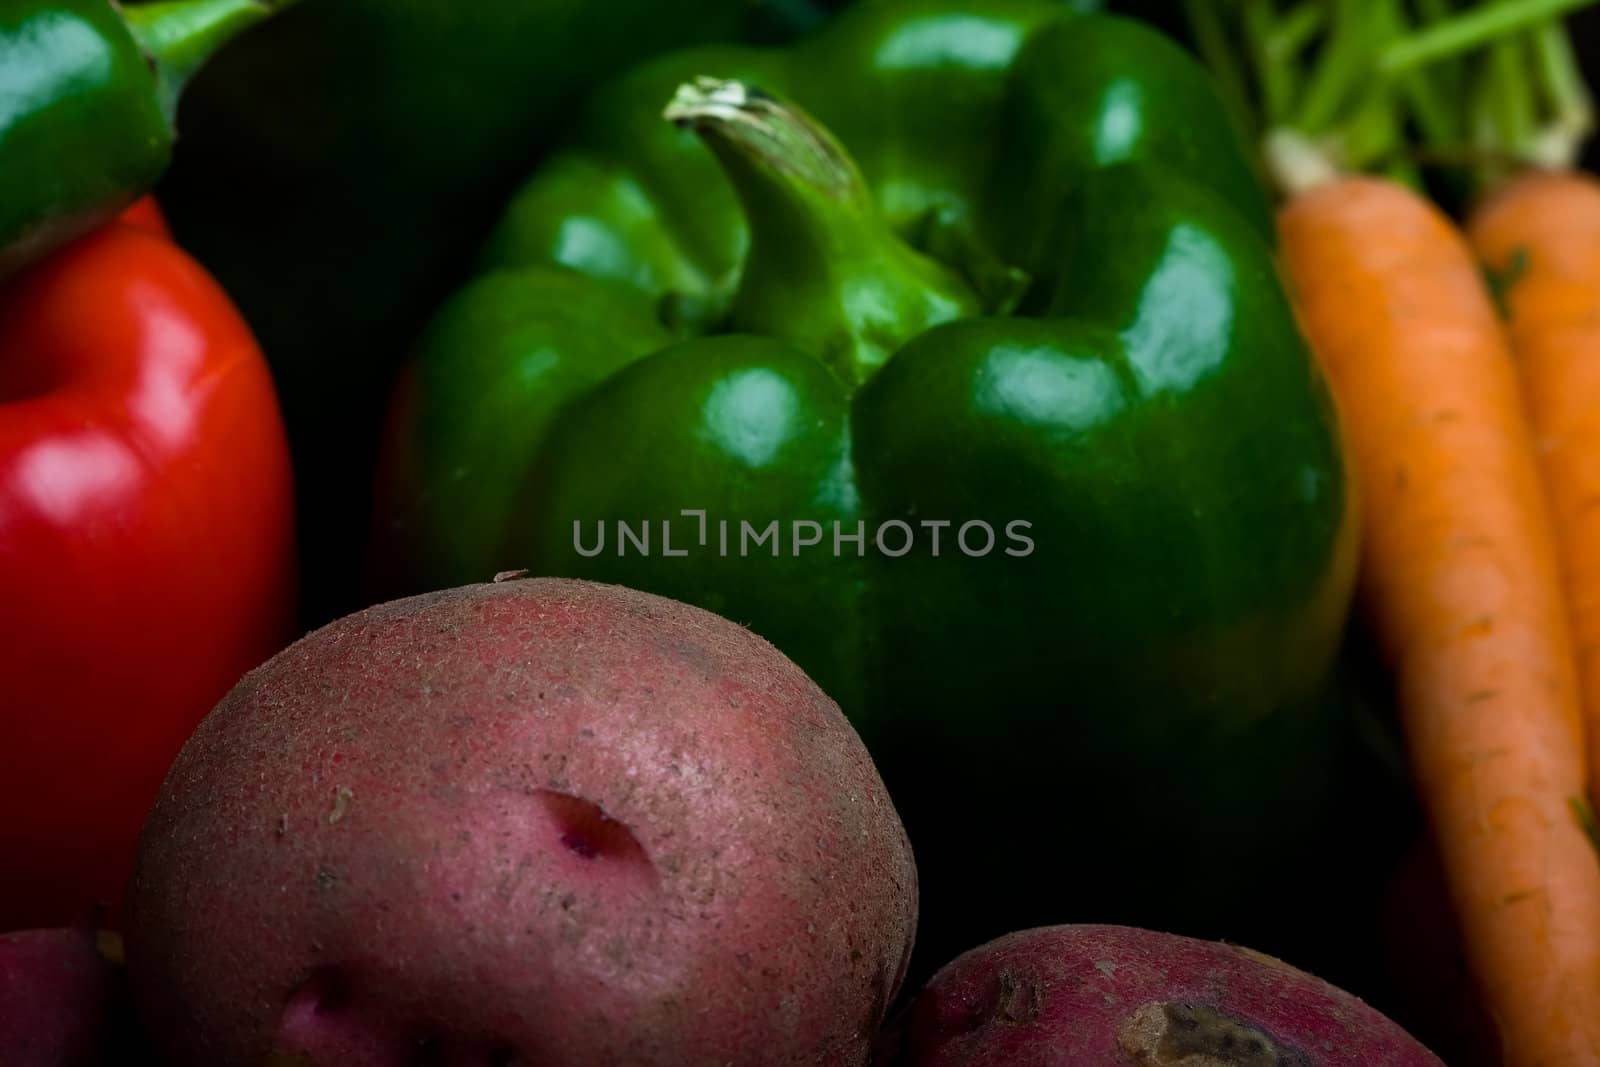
971 386
339 167
88 94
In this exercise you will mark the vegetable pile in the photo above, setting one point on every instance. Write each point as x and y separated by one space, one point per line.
992 507
827 370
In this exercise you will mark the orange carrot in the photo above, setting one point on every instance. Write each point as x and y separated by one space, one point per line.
1539 235
1461 579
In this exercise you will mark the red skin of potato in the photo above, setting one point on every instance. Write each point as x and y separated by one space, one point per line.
1112 996
539 822
56 995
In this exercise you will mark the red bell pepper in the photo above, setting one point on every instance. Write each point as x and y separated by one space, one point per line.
147 555
146 214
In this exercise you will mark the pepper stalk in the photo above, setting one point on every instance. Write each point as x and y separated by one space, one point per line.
180 35
825 270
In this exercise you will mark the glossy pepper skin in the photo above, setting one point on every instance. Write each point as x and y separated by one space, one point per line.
1026 277
146 547
340 166
87 108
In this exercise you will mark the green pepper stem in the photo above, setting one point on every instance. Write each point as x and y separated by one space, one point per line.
180 35
730 113
824 270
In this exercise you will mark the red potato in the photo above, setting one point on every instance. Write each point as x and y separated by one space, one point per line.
537 823
59 990
1111 996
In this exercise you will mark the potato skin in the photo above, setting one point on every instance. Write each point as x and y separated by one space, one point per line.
1113 996
535 822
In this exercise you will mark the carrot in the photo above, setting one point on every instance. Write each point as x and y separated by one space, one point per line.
1461 580
1539 235
1460 573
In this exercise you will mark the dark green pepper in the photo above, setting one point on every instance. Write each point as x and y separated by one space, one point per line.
338 169
980 397
88 93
